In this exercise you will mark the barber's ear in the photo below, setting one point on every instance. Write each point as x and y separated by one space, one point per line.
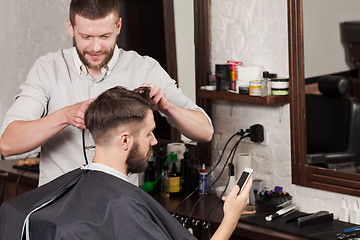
70 28
125 141
118 26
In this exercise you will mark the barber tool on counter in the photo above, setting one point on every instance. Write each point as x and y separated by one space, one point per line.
281 212
269 201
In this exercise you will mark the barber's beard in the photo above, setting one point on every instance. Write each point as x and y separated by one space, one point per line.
136 163
98 66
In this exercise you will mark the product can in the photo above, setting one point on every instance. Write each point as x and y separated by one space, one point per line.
233 69
255 88
223 78
280 86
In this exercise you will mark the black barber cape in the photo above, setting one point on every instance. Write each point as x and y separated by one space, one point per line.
88 204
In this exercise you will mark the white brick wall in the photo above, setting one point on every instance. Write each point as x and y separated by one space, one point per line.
28 29
255 32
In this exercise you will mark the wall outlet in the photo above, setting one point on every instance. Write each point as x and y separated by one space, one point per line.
248 140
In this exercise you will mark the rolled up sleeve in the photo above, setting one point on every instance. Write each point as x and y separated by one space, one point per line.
31 103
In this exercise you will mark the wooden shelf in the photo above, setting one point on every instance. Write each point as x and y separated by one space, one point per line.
244 98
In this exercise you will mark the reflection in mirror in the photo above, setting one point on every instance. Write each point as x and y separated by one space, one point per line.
332 102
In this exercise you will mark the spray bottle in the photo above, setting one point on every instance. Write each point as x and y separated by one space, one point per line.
202 180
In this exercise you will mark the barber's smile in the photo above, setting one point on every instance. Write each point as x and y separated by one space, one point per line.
95 56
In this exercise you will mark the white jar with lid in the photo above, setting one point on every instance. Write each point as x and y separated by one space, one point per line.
280 86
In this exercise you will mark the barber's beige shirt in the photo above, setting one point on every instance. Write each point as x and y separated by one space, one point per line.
59 79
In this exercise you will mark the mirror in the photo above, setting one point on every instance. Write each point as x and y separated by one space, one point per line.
328 52
303 174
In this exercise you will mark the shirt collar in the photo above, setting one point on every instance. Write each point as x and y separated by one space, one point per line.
104 168
80 67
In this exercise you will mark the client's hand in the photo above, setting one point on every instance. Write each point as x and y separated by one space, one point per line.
233 207
234 203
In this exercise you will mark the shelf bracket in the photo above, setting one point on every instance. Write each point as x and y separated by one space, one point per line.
281 112
231 108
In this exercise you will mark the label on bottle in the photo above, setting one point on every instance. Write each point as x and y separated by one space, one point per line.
174 184
203 183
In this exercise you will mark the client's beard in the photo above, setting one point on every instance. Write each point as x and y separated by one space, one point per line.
135 162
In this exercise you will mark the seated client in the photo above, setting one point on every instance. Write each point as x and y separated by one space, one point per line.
97 201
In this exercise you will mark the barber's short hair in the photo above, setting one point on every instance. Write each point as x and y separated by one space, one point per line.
93 9
117 107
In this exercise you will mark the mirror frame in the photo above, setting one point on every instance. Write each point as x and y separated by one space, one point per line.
302 174
202 66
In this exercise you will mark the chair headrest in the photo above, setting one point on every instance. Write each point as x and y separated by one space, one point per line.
333 85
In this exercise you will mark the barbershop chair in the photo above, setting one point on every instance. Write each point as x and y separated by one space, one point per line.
332 123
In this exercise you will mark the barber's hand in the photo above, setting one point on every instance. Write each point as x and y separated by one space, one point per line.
234 203
75 113
158 96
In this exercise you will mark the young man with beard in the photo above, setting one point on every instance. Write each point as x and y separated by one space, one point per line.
97 201
49 111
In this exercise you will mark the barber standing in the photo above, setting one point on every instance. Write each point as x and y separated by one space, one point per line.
49 110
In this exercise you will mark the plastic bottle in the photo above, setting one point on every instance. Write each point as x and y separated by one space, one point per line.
344 211
159 163
203 179
186 183
174 178
357 218
165 182
354 212
150 170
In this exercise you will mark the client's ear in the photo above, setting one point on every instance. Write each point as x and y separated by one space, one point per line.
125 141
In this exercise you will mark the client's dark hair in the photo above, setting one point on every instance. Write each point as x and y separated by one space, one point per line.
117 106
93 9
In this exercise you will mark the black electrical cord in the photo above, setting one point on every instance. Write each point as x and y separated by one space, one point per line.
206 192
195 190
84 147
227 183
222 170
